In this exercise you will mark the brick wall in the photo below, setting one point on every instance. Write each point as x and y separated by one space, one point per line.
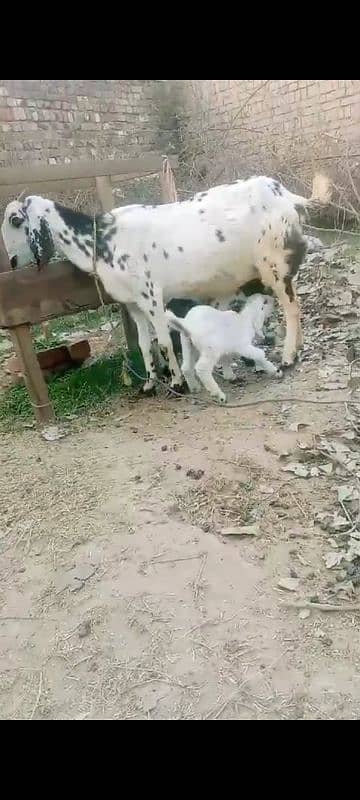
268 126
60 121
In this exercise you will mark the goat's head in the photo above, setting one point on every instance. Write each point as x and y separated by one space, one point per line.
15 237
26 231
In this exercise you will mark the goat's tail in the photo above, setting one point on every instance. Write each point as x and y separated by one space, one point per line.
176 324
320 195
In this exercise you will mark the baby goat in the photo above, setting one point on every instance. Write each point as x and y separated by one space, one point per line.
208 335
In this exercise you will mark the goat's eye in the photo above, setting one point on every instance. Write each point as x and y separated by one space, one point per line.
16 220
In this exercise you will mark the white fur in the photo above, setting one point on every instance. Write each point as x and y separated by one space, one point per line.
206 247
207 335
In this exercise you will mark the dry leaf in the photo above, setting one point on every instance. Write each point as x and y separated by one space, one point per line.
288 584
242 530
347 493
305 613
52 433
333 558
298 469
298 426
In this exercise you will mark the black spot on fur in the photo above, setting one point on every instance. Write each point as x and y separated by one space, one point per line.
264 208
217 305
145 295
41 243
201 211
154 303
151 293
47 210
121 264
13 262
295 244
145 257
153 245
80 224
147 273
264 258
289 288
263 232
64 239
276 188
203 194
275 272
152 312
219 235
180 249
165 254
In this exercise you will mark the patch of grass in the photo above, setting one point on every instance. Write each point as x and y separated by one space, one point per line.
84 320
76 392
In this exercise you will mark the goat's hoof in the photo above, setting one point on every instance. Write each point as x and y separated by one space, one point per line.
148 391
165 372
177 389
288 365
220 398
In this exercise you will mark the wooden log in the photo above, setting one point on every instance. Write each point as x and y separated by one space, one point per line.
30 296
27 177
34 379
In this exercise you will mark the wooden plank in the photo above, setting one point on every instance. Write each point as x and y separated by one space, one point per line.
32 296
33 376
14 176
105 194
4 258
66 185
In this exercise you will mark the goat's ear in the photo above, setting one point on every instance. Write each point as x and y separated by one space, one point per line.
40 238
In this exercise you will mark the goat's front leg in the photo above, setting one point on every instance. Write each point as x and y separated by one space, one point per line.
275 275
145 346
153 306
261 362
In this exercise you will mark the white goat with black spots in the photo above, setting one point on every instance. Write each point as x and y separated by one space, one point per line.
206 247
207 335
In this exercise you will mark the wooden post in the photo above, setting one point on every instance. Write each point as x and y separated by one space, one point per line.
34 379
105 195
30 367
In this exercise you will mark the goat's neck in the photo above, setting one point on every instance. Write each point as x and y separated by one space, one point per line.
73 241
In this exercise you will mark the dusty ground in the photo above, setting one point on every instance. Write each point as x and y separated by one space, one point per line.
121 599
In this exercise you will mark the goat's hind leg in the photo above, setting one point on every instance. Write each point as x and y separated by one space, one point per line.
204 369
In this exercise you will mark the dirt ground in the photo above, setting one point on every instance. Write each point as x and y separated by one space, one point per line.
120 597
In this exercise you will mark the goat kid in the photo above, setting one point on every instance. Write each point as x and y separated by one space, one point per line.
208 335
206 247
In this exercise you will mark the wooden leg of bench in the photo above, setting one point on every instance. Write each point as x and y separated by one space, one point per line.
34 379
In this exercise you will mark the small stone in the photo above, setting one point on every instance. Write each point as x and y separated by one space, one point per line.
178 467
293 573
314 598
135 430
84 629
164 447
196 474
304 614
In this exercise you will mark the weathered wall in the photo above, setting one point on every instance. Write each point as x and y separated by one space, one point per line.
59 121
242 127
